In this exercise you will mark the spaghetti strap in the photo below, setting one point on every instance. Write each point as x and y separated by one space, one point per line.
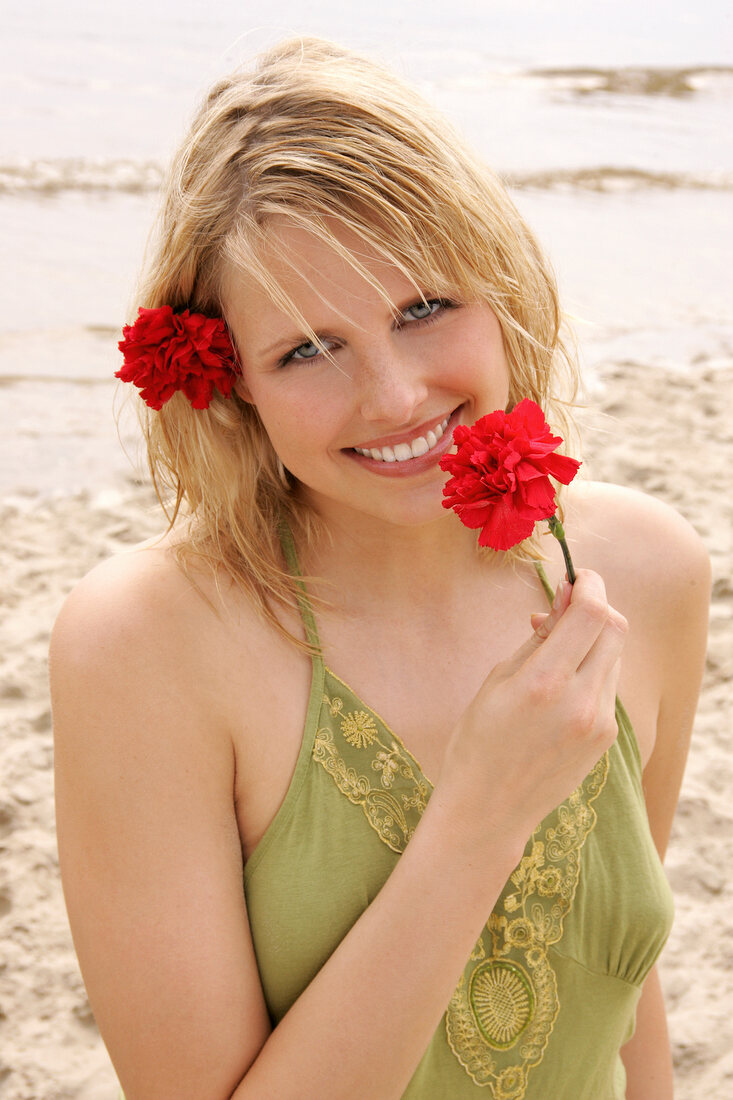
306 611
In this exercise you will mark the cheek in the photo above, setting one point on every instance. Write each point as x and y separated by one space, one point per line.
499 363
295 422
486 357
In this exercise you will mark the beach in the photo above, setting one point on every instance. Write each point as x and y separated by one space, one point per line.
614 138
50 1047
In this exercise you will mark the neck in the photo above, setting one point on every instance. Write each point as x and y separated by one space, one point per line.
397 565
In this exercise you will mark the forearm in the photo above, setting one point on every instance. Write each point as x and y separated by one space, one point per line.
374 1006
647 1056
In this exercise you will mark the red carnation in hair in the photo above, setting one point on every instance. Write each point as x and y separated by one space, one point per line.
166 351
501 474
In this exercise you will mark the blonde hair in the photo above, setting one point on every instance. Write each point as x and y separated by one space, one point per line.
328 139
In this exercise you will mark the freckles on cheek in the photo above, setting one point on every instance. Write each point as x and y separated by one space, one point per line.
293 429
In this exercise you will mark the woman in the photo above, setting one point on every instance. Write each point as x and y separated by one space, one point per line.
380 289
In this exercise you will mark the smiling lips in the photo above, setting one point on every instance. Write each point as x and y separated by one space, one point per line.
403 452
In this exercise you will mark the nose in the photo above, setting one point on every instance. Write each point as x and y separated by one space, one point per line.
392 386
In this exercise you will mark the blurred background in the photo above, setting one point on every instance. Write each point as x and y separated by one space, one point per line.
610 120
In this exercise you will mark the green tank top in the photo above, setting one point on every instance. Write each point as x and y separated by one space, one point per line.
549 993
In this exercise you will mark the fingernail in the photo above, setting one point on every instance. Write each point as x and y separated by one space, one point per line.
539 624
559 593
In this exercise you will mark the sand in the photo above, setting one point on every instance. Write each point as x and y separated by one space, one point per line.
663 432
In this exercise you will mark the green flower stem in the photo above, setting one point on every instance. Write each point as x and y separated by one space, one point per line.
559 532
549 590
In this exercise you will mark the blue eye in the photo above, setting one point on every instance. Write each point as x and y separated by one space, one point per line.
426 310
305 351
421 310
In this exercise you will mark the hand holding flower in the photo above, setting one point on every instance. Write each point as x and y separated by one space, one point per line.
544 716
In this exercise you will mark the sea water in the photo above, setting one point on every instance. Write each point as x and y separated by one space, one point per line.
611 123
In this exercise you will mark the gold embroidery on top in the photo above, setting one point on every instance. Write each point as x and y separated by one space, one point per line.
393 817
502 1000
504 1008
335 705
358 728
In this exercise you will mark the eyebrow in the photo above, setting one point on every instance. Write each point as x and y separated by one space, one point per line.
294 341
288 342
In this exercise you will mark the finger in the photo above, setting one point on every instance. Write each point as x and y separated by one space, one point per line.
578 626
508 667
606 721
596 683
605 653
543 622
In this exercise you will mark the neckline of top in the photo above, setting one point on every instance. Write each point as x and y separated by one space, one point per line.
321 669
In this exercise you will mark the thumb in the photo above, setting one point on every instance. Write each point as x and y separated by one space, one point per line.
540 623
542 626
544 622
520 656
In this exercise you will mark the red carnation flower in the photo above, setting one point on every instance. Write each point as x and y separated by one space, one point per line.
501 474
166 351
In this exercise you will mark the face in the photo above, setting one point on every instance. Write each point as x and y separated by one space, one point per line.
363 427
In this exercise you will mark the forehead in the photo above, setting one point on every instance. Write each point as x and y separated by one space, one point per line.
296 271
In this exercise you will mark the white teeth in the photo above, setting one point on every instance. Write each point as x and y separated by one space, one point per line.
401 452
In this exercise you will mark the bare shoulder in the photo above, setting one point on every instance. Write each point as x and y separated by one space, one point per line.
141 608
128 672
182 673
139 591
183 661
645 550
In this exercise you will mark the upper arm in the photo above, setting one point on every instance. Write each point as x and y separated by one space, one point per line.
682 598
658 574
675 603
148 843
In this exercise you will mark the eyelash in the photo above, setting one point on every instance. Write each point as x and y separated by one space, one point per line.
444 303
